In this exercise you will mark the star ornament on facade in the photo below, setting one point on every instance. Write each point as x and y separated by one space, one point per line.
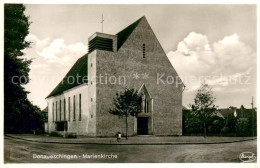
145 75
136 76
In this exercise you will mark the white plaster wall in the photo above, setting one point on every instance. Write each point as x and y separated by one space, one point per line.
76 126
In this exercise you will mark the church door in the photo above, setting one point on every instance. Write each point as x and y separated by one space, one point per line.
142 125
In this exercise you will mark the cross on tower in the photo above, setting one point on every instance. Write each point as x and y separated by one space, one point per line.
102 22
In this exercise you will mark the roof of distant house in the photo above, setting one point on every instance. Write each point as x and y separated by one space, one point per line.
45 110
226 112
244 113
241 113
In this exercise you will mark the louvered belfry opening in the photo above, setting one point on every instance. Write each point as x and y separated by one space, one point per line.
100 43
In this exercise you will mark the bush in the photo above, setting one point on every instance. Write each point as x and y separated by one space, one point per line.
231 122
70 135
225 130
38 132
55 134
193 125
216 126
242 128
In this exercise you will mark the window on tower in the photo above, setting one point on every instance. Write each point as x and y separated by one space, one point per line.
53 111
74 109
69 109
79 107
143 50
64 109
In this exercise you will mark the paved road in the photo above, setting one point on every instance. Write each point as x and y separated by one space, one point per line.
19 151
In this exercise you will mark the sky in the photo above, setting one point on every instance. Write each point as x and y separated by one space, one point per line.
211 43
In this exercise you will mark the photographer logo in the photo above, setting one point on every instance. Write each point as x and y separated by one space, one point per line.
247 157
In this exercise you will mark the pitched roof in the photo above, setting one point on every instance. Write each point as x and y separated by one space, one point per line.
77 75
226 112
183 107
45 110
125 33
241 113
81 66
245 113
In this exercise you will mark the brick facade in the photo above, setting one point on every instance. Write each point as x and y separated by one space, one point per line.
167 98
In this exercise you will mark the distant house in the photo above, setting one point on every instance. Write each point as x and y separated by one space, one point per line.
241 113
245 114
224 113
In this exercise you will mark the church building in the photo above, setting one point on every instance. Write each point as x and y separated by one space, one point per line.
132 58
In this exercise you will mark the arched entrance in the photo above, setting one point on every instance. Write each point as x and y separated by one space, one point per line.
144 119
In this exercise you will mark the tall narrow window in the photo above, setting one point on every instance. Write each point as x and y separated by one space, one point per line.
69 109
74 109
79 107
146 105
60 110
53 111
145 100
143 50
64 109
139 108
56 112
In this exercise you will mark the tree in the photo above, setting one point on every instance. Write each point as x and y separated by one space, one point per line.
203 106
231 122
126 103
216 124
20 114
243 128
193 124
252 122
